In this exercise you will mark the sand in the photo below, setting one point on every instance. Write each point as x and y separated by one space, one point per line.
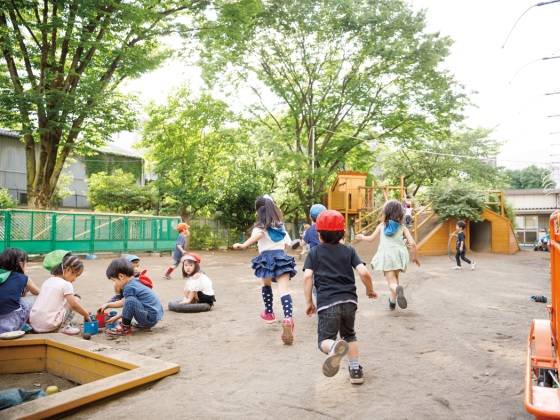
456 352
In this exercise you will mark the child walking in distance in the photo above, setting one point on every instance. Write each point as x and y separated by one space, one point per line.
140 301
57 304
14 285
198 288
310 237
461 247
392 254
180 248
331 267
272 264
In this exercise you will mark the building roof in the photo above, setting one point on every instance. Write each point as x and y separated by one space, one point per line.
533 191
9 133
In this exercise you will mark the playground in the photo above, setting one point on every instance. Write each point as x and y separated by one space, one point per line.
457 351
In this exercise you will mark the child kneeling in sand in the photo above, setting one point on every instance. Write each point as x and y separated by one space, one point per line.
57 304
140 302
198 288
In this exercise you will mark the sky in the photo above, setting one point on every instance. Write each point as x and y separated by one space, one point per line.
498 52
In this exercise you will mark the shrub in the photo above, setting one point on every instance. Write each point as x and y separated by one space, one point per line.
202 237
457 200
6 200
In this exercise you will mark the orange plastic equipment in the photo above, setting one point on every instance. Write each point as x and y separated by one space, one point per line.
542 344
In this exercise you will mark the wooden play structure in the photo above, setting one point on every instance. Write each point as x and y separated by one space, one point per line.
360 204
495 234
542 387
361 207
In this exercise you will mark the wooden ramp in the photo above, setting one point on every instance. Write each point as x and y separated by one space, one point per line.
494 234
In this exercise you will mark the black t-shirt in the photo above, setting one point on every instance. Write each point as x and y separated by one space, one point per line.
333 273
461 238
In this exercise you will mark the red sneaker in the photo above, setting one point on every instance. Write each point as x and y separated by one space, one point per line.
120 329
269 318
288 330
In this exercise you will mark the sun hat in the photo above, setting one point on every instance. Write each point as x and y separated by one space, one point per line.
182 226
316 210
54 259
191 256
330 220
145 280
132 258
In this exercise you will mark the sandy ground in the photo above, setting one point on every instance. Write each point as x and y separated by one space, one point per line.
456 352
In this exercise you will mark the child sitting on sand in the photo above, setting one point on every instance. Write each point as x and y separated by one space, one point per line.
140 301
56 304
198 288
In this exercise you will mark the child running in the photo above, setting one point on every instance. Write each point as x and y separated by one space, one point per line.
180 248
14 284
140 301
57 304
331 267
392 254
272 264
198 288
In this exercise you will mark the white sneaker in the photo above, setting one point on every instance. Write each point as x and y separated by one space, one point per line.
457 267
69 330
472 265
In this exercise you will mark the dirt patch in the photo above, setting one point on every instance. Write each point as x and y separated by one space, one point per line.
456 352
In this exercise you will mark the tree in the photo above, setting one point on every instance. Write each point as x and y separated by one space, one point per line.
62 62
195 153
465 154
530 177
118 193
6 200
62 189
342 73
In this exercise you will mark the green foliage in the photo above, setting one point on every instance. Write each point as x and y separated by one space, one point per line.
455 199
343 73
196 153
202 237
237 204
426 159
530 177
6 200
62 64
62 189
109 163
118 193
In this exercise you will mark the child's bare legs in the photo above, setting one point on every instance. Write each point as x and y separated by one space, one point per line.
397 292
190 297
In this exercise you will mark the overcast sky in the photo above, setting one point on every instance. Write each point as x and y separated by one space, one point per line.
512 82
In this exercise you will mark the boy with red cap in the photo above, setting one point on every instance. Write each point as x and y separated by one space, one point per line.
330 266
180 248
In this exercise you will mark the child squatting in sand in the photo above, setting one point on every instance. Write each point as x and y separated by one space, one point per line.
140 302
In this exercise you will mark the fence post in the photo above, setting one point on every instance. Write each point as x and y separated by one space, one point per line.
8 231
53 232
155 233
92 235
125 235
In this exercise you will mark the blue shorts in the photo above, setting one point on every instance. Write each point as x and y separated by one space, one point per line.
337 318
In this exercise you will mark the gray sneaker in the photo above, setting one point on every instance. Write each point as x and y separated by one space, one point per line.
473 264
356 375
332 362
401 300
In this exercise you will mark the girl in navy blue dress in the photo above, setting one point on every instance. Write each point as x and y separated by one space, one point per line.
273 264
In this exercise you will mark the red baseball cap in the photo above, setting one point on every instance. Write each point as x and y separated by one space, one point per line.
192 257
330 220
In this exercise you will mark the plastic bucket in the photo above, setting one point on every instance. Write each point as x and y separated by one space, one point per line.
91 327
101 319
114 324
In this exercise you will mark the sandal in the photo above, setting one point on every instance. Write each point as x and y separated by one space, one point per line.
539 298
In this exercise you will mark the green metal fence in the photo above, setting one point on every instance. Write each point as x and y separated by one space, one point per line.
39 232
